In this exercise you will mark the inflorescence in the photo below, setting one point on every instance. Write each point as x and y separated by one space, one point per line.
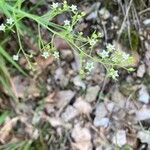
110 57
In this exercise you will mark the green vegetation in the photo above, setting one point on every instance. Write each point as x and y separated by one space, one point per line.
111 58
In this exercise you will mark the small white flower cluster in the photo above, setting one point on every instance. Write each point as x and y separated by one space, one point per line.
46 54
73 8
16 57
89 66
9 21
113 73
104 54
125 56
115 57
63 7
67 23
92 42
110 47
56 54
94 39
55 5
120 57
74 19
2 27
58 7
114 54
68 26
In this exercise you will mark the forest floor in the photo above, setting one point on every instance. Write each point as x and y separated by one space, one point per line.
58 110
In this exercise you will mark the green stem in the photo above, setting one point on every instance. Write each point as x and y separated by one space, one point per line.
45 24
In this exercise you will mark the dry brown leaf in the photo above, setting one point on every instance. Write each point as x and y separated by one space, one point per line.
29 129
80 134
19 86
60 43
25 87
59 99
82 138
5 130
81 27
64 97
132 140
82 106
42 62
33 90
81 145
51 98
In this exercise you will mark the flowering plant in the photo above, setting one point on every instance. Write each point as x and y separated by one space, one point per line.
111 58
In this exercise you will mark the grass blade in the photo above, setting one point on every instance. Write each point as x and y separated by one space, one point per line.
3 117
8 58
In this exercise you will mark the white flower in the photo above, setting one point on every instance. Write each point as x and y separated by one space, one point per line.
92 42
73 7
67 22
9 21
104 54
56 54
89 66
15 57
2 27
125 56
113 73
110 47
45 55
55 5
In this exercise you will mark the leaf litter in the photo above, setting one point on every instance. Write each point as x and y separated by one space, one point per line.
72 109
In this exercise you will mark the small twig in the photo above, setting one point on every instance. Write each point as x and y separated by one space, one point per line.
102 89
136 16
144 11
123 23
123 11
105 31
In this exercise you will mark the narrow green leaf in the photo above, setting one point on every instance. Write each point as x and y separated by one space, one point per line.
3 117
27 145
8 58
